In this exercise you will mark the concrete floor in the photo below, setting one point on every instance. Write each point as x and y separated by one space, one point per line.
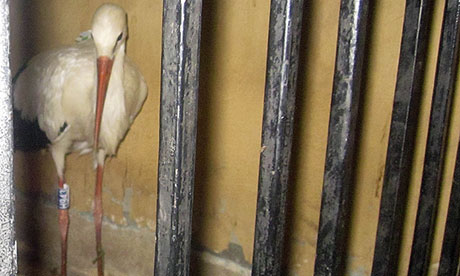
129 250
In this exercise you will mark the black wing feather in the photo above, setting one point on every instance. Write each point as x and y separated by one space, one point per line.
27 135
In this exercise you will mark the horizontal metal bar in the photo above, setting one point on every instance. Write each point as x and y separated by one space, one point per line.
446 74
280 88
409 83
178 115
341 138
448 264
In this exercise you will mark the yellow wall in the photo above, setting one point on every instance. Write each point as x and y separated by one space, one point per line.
234 45
53 23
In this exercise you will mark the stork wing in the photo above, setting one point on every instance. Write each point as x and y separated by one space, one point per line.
135 89
40 88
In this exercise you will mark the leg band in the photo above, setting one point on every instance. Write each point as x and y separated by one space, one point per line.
64 197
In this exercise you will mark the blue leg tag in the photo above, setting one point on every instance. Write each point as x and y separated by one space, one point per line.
64 197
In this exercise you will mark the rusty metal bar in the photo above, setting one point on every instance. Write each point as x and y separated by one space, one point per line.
448 265
409 83
178 116
341 138
446 74
280 88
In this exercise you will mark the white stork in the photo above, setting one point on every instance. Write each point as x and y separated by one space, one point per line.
84 97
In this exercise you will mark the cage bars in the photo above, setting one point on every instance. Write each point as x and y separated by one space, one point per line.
8 245
341 138
280 88
450 253
398 163
180 59
446 73
178 116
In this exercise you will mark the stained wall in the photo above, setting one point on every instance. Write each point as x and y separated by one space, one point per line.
232 76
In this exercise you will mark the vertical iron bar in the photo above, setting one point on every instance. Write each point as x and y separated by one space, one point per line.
446 73
178 116
280 88
450 253
341 138
8 245
409 83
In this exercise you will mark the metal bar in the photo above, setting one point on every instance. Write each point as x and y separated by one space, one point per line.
8 245
178 116
280 88
341 138
450 253
434 156
409 83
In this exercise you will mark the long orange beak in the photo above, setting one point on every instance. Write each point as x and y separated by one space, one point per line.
104 68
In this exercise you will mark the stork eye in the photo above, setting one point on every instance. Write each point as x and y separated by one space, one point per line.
120 37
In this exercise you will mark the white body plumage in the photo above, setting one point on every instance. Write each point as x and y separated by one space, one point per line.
58 88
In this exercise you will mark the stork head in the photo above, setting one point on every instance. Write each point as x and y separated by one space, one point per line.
109 30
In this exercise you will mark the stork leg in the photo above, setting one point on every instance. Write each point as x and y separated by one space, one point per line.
98 220
64 228
58 151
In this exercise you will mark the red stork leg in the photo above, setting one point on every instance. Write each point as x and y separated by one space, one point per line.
98 220
63 227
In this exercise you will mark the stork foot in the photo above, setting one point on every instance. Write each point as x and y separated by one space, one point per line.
64 227
99 251
98 221
100 262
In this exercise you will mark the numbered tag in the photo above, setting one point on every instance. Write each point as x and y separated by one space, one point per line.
64 197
